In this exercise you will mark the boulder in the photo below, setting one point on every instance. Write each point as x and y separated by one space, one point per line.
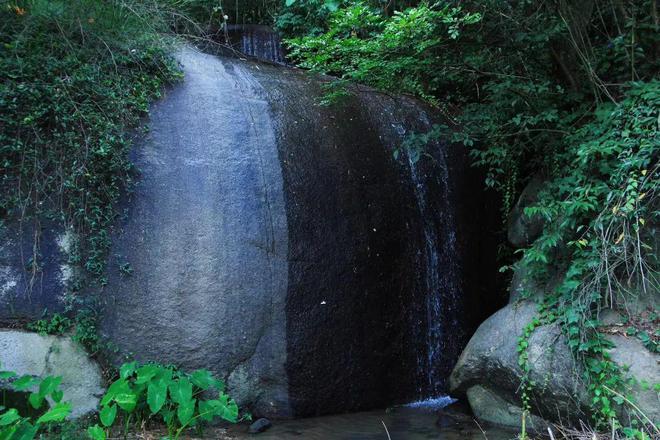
260 425
294 249
523 230
489 375
32 354
643 368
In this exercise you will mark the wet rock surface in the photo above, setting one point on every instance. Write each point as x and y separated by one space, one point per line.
282 245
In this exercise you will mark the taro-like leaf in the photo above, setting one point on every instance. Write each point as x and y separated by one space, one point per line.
127 370
120 386
181 390
96 432
156 395
108 414
185 411
24 382
126 401
36 400
9 417
56 413
205 380
49 384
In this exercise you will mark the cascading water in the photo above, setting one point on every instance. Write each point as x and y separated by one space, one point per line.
440 260
256 41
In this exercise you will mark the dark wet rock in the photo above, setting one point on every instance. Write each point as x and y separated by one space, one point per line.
522 229
253 40
27 290
259 426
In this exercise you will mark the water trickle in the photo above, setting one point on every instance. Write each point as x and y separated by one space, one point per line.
440 265
257 41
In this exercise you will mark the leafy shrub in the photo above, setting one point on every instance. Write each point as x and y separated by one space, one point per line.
57 325
164 394
14 425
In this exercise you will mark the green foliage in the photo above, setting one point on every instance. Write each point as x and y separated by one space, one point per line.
14 425
56 325
75 75
600 214
83 328
397 53
165 394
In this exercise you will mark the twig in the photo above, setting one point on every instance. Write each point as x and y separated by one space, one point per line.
386 431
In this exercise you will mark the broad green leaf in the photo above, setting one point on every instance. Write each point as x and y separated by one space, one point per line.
120 386
185 411
25 431
57 395
36 400
289 2
96 433
126 401
181 390
127 370
205 380
24 382
49 384
108 414
56 414
156 395
230 412
7 375
206 410
9 417
147 372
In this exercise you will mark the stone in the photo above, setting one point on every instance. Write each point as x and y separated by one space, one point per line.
488 375
523 230
490 407
643 367
32 354
490 362
260 425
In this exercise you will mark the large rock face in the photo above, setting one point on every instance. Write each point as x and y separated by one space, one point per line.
31 354
280 244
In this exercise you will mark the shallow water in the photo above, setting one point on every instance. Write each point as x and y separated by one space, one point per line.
403 423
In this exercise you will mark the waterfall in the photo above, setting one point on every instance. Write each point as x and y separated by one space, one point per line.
440 264
256 41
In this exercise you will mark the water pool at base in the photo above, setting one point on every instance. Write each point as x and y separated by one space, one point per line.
418 422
